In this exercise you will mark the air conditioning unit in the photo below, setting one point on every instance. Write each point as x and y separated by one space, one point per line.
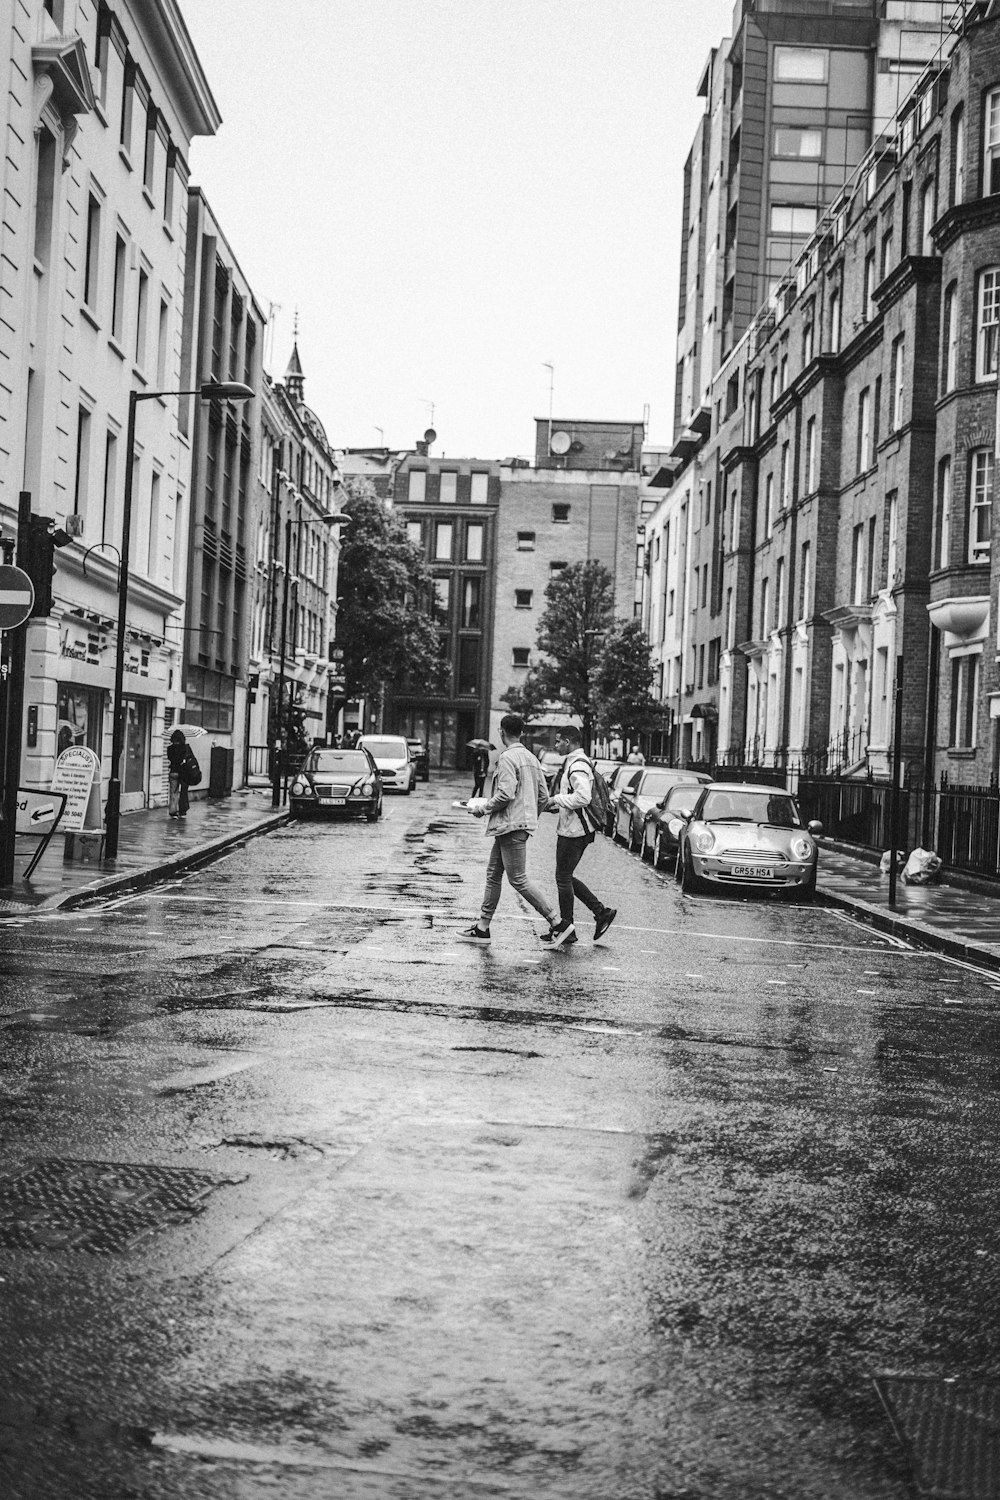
73 526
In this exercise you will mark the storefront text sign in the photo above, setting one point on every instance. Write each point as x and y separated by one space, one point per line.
74 775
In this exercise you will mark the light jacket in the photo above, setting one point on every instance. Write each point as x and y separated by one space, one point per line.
517 794
574 790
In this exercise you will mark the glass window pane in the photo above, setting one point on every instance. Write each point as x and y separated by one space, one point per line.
449 486
418 485
800 64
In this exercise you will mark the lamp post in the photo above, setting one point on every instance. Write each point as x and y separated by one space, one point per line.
209 390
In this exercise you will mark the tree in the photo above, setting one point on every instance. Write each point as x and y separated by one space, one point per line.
529 698
624 682
384 590
578 613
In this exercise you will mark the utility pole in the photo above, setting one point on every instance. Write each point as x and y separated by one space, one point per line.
280 741
894 790
16 646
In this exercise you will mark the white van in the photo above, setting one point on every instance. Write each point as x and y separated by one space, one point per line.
391 754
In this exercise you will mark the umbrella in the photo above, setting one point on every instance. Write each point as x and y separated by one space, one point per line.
189 731
480 745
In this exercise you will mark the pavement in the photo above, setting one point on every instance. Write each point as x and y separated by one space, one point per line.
960 919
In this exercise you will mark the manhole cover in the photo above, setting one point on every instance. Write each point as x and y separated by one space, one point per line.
97 1206
950 1432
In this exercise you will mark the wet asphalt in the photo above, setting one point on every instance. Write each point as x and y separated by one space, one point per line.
300 1197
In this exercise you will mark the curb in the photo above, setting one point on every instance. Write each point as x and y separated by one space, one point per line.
912 931
190 859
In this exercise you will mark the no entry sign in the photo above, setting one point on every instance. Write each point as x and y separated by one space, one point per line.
16 597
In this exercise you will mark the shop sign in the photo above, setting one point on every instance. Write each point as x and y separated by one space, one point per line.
74 776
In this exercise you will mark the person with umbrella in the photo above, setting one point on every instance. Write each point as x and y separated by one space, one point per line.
480 764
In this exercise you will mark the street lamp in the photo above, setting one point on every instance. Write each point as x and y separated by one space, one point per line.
209 390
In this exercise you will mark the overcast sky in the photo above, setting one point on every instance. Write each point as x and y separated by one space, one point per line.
453 193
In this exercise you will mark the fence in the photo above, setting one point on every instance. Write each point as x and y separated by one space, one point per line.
968 828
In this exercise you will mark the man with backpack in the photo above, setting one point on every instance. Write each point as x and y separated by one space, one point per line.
577 790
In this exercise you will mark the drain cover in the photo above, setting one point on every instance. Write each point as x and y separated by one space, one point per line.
950 1432
97 1206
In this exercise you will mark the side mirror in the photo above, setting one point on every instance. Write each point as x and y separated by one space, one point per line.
684 813
815 828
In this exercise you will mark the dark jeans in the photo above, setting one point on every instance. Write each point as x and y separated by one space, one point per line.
569 852
478 783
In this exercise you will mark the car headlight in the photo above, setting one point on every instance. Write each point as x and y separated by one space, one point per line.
299 787
674 826
365 789
801 848
703 840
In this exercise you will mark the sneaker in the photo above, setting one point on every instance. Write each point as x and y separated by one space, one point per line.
474 934
604 921
562 932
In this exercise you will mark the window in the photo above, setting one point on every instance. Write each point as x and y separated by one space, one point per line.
942 516
958 156
869 292
898 384
796 141
128 107
892 551
468 665
779 593
555 568
474 541
141 313
800 65
45 159
805 580
792 218
834 322
987 320
523 598
864 430
118 291
769 505
519 656
871 579
765 607
441 601
413 533
807 342
108 494
449 486
152 554
82 480
442 540
949 339
858 564
964 701
928 213
886 260
168 186
991 143
472 590
981 465
479 488
149 154
810 455
91 260
786 477
525 541
560 513
417 491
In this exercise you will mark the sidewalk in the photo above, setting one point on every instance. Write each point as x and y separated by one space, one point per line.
151 847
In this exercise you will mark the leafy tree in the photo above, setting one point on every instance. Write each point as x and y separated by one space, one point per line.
578 613
384 589
529 698
624 682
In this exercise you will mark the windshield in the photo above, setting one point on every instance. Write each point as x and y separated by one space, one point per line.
751 807
683 797
656 783
387 749
344 762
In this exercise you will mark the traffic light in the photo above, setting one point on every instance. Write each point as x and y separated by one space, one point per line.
43 538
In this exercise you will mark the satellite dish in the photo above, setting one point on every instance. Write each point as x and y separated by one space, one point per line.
559 442
430 436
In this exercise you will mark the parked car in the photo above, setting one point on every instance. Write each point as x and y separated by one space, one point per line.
751 836
605 767
621 777
391 754
343 782
663 824
640 796
420 756
551 764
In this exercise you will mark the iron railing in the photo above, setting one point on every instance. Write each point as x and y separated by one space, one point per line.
968 828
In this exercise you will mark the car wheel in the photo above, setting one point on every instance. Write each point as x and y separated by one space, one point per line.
633 840
806 893
659 852
686 878
617 836
647 845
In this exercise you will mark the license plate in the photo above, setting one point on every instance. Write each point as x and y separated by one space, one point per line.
754 872
333 801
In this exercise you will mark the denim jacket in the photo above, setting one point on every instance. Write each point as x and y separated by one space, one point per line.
517 795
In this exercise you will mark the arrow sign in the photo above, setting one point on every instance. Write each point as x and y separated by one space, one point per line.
17 595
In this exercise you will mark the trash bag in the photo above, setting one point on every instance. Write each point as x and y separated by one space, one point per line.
922 867
886 860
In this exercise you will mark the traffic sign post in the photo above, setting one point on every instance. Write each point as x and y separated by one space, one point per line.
14 689
17 597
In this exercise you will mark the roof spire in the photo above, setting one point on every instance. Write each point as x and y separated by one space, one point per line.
294 377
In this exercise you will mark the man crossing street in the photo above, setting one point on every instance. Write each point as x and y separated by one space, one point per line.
575 833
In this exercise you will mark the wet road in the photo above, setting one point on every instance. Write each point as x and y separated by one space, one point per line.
302 1198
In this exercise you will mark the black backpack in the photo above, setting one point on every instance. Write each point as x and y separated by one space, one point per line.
190 772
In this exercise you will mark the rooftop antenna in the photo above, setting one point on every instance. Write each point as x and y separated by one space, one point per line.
429 404
381 435
552 382
272 309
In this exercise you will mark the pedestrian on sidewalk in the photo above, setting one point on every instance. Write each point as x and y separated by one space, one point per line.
636 757
179 758
480 765
517 795
575 830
